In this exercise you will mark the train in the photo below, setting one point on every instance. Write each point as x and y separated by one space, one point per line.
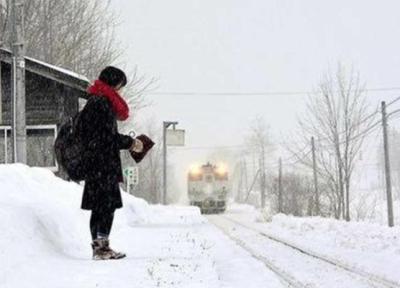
208 187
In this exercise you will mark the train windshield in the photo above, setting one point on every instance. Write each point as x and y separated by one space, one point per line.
196 177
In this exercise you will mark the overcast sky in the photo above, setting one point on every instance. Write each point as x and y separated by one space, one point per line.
251 46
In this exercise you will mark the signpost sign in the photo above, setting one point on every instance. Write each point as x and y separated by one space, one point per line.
175 137
132 177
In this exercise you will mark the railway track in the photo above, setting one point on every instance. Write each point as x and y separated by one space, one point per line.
368 280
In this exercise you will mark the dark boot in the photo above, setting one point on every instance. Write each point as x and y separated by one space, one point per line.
114 254
100 252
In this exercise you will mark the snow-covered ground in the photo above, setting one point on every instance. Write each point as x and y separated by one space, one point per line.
369 247
45 242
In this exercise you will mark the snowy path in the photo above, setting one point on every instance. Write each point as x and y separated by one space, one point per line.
293 265
180 255
190 255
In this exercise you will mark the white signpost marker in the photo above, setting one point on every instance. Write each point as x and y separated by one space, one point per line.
132 177
175 137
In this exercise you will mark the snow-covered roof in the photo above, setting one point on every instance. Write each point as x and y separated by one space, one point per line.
60 69
58 74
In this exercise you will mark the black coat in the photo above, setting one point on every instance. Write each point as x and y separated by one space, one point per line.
98 131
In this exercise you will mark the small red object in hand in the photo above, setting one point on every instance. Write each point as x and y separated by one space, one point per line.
147 145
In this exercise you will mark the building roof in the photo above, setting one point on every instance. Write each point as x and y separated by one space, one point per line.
58 74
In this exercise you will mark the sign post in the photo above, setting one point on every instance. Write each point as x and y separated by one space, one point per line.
171 137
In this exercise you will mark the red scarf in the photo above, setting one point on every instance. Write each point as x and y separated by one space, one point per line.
119 105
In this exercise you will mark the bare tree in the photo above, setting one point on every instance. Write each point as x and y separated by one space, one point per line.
337 117
77 35
4 12
259 146
296 193
135 93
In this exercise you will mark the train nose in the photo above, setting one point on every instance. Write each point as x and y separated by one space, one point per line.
208 189
209 203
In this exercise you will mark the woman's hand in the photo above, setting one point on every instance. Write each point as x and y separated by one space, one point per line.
137 146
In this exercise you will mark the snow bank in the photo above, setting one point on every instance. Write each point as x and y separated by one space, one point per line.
244 209
370 205
371 247
39 206
351 235
45 234
55 204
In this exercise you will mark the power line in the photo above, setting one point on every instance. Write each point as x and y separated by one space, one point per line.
393 112
295 155
364 133
372 127
393 101
368 130
262 93
227 147
234 147
286 161
377 111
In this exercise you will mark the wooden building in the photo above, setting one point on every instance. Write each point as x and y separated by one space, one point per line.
52 95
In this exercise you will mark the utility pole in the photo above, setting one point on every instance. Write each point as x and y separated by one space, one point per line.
387 167
238 167
1 90
262 178
1 46
252 185
246 184
280 196
316 192
18 82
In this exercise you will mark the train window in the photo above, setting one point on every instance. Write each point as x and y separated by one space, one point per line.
221 176
195 177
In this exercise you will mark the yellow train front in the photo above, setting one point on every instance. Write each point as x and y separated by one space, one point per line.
208 187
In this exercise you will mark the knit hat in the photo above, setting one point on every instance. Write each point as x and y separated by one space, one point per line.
113 76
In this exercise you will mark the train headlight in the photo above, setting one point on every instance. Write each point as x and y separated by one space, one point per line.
221 172
221 169
195 169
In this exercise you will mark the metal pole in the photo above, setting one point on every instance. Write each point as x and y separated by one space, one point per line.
387 167
18 82
164 196
280 198
316 192
263 183
5 146
1 92
166 124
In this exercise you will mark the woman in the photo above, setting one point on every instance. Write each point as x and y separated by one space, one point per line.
98 131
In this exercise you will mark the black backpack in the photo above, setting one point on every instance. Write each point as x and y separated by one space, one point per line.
69 149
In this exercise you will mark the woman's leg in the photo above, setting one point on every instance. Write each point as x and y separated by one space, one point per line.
101 222
105 223
94 223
